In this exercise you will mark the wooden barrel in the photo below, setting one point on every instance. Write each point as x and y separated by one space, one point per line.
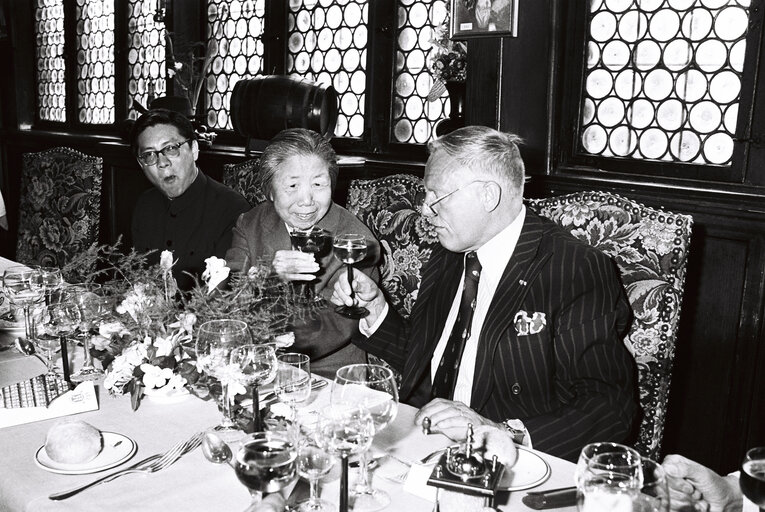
263 106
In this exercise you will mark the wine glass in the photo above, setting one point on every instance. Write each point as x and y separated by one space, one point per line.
95 304
216 341
58 321
611 481
374 387
350 249
293 378
313 463
48 280
258 366
752 479
265 463
312 240
21 293
593 449
345 429
654 493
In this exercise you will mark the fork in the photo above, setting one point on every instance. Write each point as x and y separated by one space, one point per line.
401 477
152 464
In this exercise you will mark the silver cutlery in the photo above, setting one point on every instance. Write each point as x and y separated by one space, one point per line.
270 398
152 464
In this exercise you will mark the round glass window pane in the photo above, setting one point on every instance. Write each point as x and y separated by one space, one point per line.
653 143
670 115
684 145
594 139
611 112
640 113
718 148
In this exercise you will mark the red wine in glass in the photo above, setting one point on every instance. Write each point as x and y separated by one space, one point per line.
752 479
312 240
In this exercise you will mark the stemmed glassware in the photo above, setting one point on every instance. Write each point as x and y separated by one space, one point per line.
22 293
48 280
350 248
313 463
594 449
345 429
95 304
293 378
58 321
313 240
216 341
258 366
265 463
752 479
374 387
611 481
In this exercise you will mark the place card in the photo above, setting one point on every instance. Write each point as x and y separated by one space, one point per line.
80 399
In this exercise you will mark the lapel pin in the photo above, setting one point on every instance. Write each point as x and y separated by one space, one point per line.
522 282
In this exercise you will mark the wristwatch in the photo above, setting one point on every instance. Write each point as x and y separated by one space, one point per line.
517 430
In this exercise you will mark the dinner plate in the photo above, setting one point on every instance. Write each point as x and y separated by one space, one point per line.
528 471
117 449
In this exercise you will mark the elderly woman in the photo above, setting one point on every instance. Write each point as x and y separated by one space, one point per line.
298 172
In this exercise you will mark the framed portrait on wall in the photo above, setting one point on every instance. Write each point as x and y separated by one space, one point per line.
484 18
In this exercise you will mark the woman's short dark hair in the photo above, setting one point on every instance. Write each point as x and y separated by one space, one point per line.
161 116
291 142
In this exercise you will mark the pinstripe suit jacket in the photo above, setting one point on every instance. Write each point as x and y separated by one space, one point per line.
572 383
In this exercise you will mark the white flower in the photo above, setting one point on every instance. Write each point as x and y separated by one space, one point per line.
232 376
176 382
154 376
135 354
114 381
215 272
99 342
165 346
107 329
285 340
185 322
166 261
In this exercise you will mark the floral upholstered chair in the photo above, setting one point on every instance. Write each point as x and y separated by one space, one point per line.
244 178
59 207
650 248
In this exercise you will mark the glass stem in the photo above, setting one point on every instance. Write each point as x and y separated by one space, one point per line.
255 497
314 491
362 486
226 422
350 282
29 329
88 362
257 419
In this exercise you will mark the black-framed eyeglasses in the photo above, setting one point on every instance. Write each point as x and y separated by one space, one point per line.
171 150
430 206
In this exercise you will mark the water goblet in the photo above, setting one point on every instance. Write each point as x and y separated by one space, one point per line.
313 463
58 321
21 293
345 429
654 492
374 387
216 341
265 462
257 363
313 240
48 280
752 479
592 450
350 248
610 482
95 304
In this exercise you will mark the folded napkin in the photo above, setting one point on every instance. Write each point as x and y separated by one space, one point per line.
80 399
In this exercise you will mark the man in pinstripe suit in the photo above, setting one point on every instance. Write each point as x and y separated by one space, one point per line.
543 354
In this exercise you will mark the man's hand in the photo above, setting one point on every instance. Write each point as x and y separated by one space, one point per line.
451 418
295 265
366 294
696 487
496 441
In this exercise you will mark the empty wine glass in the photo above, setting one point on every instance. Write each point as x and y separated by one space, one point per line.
95 304
313 463
373 387
57 322
293 378
265 463
752 479
48 280
216 341
258 366
21 293
654 492
611 481
593 449
313 240
350 248
345 429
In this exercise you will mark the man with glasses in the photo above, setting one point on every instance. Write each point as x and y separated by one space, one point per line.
517 324
186 212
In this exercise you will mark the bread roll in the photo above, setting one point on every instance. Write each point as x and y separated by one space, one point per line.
73 442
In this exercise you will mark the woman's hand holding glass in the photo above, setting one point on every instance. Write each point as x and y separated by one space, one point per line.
373 387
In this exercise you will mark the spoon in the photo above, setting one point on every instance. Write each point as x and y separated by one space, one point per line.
215 449
27 348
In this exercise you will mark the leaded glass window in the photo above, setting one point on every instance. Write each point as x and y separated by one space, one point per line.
413 115
95 61
236 28
327 43
51 67
663 79
146 55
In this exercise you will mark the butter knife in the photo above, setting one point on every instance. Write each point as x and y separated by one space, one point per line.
553 498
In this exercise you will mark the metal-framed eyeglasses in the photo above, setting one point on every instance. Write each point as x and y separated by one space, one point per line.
429 207
171 150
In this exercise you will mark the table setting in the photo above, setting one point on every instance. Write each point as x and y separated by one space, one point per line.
156 380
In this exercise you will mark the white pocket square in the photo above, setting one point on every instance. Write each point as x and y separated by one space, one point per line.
525 324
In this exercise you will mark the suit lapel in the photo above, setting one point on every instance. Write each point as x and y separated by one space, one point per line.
523 267
434 299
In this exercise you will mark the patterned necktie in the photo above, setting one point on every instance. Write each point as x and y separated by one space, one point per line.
446 375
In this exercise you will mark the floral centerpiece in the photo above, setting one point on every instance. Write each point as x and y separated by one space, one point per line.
447 60
147 342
